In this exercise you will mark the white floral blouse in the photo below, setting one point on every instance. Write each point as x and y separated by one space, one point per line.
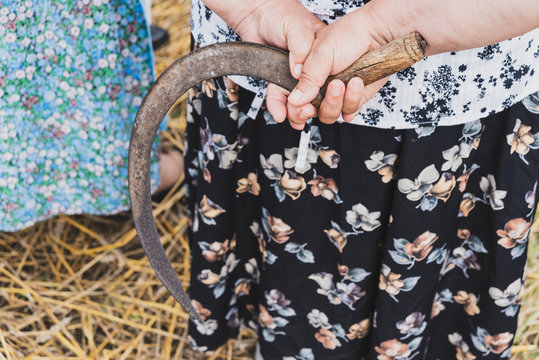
445 89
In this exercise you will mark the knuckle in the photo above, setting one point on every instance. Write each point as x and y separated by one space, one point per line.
349 109
303 46
363 100
351 106
293 114
275 91
311 79
324 48
328 113
271 92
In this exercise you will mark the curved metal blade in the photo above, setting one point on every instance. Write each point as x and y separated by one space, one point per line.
239 58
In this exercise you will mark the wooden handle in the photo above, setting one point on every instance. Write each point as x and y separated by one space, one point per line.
393 57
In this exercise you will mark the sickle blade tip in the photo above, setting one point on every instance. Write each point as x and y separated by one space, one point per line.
196 317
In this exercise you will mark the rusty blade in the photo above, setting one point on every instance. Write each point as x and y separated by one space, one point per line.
235 58
238 58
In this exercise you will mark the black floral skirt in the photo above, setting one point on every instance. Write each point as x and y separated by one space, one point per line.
383 244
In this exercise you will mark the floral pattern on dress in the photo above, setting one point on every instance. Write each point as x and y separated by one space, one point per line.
343 260
72 75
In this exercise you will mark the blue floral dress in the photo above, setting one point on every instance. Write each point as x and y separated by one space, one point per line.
72 75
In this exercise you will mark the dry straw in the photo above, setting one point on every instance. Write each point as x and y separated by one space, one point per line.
80 287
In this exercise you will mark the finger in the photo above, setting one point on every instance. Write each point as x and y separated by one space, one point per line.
352 96
299 44
331 106
276 98
351 116
297 116
315 70
366 93
372 89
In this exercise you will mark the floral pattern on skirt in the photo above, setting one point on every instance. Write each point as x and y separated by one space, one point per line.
72 75
388 244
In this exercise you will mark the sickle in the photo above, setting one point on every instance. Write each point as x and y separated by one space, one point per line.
235 58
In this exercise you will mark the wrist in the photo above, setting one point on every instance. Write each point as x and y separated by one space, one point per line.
234 12
393 19
454 25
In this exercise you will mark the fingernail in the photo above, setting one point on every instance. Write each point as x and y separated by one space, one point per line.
335 90
355 84
304 115
349 117
295 96
297 70
297 126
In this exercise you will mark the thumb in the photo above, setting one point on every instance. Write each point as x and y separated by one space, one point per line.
315 70
299 41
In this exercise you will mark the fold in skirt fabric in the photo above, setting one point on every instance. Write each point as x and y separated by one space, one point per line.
388 244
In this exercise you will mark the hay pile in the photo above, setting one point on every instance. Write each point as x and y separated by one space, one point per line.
80 287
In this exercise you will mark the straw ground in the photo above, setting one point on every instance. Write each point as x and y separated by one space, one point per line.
79 287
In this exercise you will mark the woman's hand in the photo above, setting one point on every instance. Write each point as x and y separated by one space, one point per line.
290 26
336 47
445 25
285 24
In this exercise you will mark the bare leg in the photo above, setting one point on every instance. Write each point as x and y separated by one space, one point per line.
171 169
